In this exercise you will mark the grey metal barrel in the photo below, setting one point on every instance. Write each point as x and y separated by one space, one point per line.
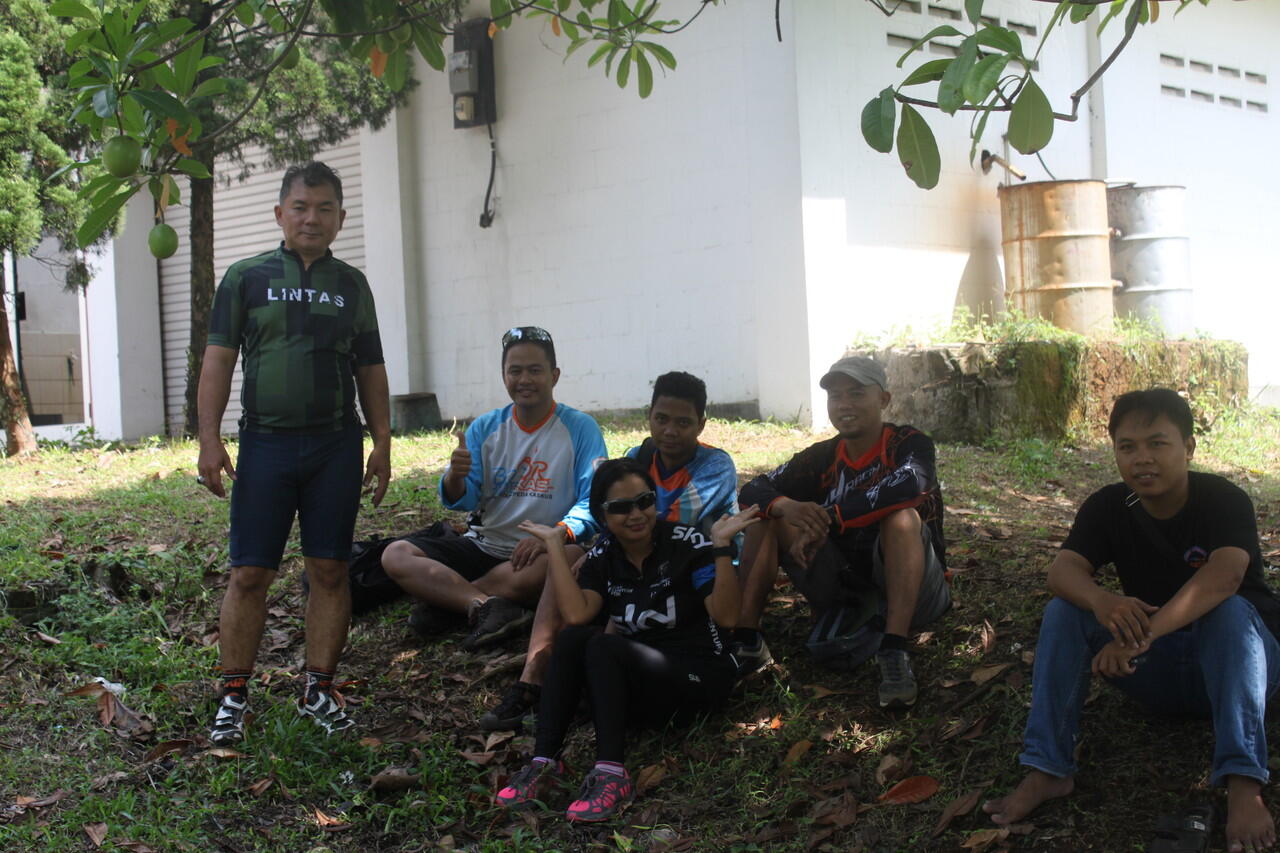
1150 255
1057 263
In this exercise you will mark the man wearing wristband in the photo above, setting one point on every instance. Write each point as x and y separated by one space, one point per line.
532 459
856 521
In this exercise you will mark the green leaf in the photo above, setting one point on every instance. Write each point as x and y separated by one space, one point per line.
877 121
644 73
570 30
104 102
624 67
397 70
1031 121
1080 11
607 47
245 14
949 92
161 104
944 30
1000 39
926 73
77 39
981 80
429 45
918 150
102 216
663 55
973 11
71 9
194 168
979 130
210 87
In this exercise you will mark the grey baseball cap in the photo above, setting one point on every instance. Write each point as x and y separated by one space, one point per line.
860 369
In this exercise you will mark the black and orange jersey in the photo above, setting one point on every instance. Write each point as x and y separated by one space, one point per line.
899 471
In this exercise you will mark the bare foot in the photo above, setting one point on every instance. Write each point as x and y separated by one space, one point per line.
1035 788
1249 824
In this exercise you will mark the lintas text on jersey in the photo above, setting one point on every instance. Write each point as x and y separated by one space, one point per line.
303 294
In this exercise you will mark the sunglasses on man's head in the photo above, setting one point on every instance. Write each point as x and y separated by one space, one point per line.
623 506
525 333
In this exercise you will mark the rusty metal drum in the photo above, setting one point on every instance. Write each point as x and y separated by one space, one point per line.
1150 255
1057 253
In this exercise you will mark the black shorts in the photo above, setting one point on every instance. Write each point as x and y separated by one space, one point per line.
460 553
833 580
280 475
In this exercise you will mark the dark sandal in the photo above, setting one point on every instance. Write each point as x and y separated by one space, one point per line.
1185 833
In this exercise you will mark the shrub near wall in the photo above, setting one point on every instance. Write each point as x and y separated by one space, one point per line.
1051 389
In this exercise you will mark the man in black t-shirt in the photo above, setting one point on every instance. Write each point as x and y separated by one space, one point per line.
1185 549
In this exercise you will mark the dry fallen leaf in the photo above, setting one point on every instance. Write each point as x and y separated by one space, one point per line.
1029 657
776 723
891 769
984 838
497 739
957 807
39 803
330 824
394 779
157 548
481 758
917 789
987 637
983 674
821 692
798 749
649 777
223 752
93 688
260 787
166 747
97 833
135 846
43 637
103 781
838 811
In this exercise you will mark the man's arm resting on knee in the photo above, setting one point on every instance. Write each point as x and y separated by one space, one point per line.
1213 583
1126 617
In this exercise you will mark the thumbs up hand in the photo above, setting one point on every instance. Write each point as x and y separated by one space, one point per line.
459 467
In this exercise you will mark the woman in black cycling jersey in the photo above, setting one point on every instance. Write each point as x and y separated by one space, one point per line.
670 593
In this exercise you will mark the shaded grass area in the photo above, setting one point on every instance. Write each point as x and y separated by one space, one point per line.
111 561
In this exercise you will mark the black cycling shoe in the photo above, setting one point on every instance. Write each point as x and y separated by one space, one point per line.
517 706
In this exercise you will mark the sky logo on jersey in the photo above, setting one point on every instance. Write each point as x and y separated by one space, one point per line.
632 623
1196 556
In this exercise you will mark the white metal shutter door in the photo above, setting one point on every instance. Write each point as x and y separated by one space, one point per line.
244 225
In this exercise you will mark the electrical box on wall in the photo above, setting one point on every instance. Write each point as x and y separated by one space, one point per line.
471 75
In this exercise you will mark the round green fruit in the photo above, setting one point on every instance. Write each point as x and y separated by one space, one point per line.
291 56
122 156
403 34
162 241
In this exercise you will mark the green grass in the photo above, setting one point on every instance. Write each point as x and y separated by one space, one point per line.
116 555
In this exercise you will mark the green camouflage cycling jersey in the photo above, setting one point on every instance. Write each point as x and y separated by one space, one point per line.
302 334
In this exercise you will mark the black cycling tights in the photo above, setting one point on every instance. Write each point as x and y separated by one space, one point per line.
629 683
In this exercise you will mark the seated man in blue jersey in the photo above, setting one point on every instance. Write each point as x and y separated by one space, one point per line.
1192 632
532 459
856 521
696 484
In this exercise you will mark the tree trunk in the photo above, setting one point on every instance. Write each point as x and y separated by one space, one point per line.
200 200
19 437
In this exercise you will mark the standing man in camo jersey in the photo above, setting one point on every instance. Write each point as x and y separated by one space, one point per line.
305 324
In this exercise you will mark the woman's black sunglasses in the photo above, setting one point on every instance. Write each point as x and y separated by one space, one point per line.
623 506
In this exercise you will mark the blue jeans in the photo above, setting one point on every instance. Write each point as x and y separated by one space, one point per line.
1225 665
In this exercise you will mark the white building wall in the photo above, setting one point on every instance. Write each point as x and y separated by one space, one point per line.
880 253
1211 124
646 235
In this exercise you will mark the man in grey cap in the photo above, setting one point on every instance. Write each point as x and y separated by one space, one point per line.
856 521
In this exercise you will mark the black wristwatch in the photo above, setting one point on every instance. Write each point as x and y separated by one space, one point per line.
723 551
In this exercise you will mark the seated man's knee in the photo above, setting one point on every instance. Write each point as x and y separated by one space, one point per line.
1233 611
397 558
903 522
1059 611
